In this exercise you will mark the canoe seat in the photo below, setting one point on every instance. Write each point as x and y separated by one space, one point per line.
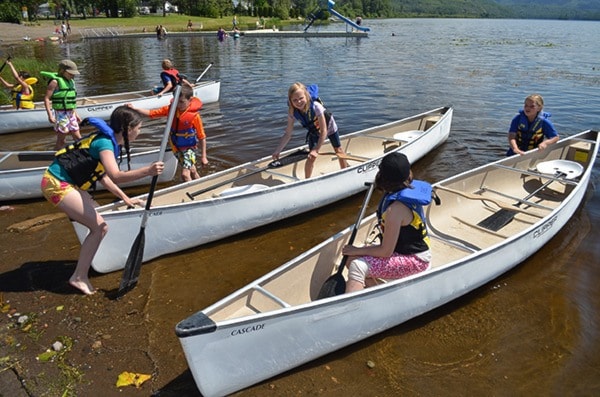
88 101
407 135
242 189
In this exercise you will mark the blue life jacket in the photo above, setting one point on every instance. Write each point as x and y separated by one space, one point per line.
530 135
414 198
309 119
413 238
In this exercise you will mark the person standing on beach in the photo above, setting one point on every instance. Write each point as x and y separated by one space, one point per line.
60 102
77 168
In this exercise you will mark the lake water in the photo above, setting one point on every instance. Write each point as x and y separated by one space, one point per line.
534 331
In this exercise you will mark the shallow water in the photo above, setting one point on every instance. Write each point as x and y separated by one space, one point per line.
533 331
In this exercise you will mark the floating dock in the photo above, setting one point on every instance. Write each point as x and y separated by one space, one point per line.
244 33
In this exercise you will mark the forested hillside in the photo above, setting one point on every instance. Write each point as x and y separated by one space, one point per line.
554 9
538 9
451 8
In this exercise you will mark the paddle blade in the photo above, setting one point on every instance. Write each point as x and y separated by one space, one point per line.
334 285
497 220
133 265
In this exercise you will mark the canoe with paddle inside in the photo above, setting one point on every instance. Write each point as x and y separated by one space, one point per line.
276 323
260 192
100 106
21 171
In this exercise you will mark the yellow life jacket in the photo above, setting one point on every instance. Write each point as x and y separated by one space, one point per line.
76 159
20 100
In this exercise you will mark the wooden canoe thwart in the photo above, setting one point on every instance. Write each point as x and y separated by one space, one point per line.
276 323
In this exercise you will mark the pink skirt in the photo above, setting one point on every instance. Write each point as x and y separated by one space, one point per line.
396 266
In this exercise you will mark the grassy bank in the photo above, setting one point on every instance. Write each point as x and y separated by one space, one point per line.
172 22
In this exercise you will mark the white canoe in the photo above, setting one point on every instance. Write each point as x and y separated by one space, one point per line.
21 172
275 323
254 194
100 106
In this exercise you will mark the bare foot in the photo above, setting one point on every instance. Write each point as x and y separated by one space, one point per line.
83 286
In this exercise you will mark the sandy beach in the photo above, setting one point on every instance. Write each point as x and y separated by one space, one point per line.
13 34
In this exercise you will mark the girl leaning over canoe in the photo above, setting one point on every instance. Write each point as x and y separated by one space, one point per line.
316 119
77 167
404 248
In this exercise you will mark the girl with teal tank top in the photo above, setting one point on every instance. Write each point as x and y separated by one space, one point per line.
79 166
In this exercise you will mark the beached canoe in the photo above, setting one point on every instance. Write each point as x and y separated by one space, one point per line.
258 192
276 323
100 106
21 172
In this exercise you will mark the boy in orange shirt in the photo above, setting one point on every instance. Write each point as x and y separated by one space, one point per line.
186 131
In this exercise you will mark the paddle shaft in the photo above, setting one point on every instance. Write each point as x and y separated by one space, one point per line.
134 261
336 284
361 214
163 149
4 64
274 164
203 73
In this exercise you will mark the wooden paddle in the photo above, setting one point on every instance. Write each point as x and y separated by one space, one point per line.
203 73
336 284
136 254
501 218
289 159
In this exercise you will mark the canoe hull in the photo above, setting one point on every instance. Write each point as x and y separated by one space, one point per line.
100 106
24 183
192 223
247 338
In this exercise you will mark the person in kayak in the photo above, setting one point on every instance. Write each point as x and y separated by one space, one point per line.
531 128
404 248
77 167
319 122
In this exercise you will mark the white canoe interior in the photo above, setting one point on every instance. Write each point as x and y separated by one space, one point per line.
466 200
359 148
10 161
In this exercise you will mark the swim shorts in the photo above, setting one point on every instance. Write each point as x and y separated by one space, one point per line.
54 189
186 158
66 121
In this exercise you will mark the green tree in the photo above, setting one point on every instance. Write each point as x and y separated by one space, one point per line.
10 12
